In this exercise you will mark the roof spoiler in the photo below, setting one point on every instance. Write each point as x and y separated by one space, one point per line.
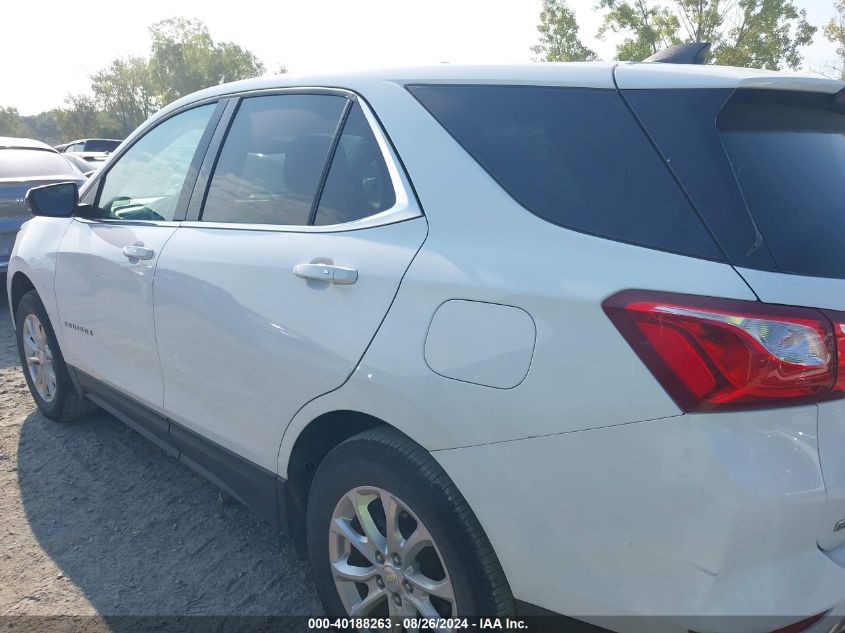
694 53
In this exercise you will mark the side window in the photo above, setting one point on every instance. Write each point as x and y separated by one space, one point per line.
574 157
271 162
358 184
146 182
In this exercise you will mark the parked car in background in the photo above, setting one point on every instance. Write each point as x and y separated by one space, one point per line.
93 150
486 340
86 167
26 163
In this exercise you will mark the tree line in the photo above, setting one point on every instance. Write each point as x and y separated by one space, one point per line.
183 58
753 33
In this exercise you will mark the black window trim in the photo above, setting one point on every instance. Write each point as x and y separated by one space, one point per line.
407 206
321 183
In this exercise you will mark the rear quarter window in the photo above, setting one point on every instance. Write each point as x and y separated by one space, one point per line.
574 157
787 150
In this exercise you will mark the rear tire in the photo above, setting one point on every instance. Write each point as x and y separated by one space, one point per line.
359 486
43 364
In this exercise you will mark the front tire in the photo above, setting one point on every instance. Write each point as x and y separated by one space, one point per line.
43 364
389 534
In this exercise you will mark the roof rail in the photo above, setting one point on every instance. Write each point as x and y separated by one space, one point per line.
694 53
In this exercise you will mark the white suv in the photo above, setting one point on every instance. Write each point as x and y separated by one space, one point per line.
486 340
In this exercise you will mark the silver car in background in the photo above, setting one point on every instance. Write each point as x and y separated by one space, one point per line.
26 163
93 150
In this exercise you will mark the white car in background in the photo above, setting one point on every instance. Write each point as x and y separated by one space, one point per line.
552 338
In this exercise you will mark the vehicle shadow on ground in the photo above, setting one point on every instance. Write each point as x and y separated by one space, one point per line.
140 534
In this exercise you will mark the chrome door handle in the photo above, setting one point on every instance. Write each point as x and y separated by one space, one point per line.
326 272
138 251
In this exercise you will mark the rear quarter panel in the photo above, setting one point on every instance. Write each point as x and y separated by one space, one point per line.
828 294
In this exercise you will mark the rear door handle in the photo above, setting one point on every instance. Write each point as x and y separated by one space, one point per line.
138 251
327 272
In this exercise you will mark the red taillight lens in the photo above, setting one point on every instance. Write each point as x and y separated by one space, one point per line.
839 333
719 353
802 625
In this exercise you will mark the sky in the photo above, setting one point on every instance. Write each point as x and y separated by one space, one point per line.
56 46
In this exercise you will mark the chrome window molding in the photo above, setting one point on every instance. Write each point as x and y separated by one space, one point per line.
405 207
173 223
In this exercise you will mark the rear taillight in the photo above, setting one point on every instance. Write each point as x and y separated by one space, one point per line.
802 625
839 333
720 353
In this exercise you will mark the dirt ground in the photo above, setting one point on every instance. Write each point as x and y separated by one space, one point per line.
95 520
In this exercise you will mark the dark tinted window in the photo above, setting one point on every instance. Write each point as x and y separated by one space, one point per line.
788 154
575 157
101 145
272 159
358 184
24 163
682 123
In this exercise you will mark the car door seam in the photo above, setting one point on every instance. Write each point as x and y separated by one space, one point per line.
155 327
363 353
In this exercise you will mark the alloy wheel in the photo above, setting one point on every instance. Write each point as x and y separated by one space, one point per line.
384 560
39 358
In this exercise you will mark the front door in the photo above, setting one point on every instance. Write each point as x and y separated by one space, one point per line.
272 298
107 261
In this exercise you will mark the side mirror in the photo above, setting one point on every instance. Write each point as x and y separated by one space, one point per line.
55 201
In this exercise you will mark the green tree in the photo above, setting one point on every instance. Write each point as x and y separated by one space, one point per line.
559 41
82 118
835 32
12 124
44 126
184 58
754 33
649 27
125 90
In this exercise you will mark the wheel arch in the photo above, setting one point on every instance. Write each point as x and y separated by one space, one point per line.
21 284
314 442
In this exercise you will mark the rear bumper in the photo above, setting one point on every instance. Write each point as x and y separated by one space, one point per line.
684 518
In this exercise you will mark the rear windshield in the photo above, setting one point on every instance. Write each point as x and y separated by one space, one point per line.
575 157
27 163
787 151
101 145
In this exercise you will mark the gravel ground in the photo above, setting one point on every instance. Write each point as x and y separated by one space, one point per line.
95 520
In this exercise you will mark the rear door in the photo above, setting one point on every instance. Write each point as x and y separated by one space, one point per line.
270 298
107 261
